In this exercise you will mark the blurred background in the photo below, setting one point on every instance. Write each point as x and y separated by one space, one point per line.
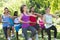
39 5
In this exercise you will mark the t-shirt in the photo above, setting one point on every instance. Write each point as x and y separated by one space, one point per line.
48 19
17 25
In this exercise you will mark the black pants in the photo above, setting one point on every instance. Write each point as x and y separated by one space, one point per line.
49 33
42 30
17 35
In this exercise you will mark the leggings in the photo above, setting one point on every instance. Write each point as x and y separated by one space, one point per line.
32 29
49 33
42 30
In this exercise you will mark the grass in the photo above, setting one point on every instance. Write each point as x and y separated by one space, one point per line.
2 37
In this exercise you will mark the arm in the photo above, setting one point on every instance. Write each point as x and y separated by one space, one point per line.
38 14
54 16
20 19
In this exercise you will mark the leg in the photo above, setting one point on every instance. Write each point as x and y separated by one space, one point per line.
5 31
24 31
49 34
33 30
55 31
42 33
17 35
12 30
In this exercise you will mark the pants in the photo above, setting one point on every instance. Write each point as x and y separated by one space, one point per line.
42 30
32 29
49 33
17 35
5 31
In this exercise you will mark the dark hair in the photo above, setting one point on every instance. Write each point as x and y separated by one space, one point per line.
5 8
16 13
31 8
47 8
21 8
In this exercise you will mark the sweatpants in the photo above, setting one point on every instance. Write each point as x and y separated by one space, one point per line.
32 29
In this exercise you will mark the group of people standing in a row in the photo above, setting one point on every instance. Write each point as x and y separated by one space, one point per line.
28 21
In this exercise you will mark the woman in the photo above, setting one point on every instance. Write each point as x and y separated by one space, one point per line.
17 24
24 19
49 24
5 21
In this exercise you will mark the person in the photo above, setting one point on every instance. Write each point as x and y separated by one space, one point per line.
24 19
11 24
17 24
33 18
42 26
49 24
5 22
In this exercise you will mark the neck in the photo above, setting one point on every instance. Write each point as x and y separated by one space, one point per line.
32 12
24 12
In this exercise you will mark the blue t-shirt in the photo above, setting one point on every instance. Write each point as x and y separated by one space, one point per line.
5 20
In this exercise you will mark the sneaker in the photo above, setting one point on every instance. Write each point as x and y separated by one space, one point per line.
30 39
9 38
55 39
12 35
22 34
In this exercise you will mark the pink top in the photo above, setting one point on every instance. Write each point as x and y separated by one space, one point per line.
41 23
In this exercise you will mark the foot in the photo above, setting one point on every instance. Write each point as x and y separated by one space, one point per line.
30 39
9 38
55 39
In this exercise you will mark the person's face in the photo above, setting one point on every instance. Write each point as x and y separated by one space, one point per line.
32 9
48 10
25 9
6 10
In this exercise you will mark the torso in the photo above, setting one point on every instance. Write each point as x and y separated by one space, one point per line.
33 18
25 18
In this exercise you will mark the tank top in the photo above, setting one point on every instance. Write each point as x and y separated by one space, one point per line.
5 20
25 18
41 23
33 19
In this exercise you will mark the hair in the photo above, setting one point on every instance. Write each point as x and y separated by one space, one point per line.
47 8
21 8
16 13
31 8
5 8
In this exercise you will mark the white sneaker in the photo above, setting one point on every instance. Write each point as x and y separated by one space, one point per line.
9 38
12 35
22 34
30 39
55 39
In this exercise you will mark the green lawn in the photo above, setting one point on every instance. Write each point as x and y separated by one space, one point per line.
22 38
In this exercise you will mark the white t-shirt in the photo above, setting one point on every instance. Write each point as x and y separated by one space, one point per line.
49 21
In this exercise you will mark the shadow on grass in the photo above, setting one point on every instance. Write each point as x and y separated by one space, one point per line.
2 37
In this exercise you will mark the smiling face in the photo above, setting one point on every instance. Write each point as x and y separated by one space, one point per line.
48 10
25 9
32 9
